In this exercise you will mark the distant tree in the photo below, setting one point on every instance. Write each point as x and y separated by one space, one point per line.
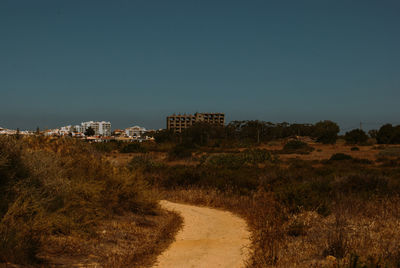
202 134
388 134
326 132
396 135
373 133
251 131
385 134
37 131
89 131
356 136
17 134
165 136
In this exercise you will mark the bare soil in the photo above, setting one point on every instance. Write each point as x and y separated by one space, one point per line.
209 238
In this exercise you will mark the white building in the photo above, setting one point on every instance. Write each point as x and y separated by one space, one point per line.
135 131
100 128
65 130
5 131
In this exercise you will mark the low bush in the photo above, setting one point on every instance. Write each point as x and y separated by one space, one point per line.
237 160
356 136
296 147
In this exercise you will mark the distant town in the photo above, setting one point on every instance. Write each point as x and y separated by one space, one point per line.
101 131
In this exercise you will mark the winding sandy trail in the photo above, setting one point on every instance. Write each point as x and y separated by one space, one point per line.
209 238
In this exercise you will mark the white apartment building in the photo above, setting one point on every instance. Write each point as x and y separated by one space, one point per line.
102 128
135 131
65 130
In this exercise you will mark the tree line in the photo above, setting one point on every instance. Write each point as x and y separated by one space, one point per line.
255 132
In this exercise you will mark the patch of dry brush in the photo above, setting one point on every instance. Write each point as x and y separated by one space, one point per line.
355 232
59 195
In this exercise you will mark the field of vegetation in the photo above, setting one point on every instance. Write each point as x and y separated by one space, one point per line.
61 203
310 201
310 197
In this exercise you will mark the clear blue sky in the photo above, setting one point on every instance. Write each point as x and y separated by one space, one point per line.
134 62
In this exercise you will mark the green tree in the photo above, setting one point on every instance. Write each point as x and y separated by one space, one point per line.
326 132
385 134
356 136
89 131
388 134
165 136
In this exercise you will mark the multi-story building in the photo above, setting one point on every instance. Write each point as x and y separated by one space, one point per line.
100 128
178 123
135 131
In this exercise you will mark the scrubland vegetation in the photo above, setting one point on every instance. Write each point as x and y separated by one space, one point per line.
61 202
300 211
308 201
341 210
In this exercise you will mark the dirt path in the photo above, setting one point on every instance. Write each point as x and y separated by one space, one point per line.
209 238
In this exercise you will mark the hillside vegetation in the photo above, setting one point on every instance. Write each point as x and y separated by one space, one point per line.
56 194
308 200
308 204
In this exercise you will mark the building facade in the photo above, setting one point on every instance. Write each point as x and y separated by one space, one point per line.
135 131
101 128
177 123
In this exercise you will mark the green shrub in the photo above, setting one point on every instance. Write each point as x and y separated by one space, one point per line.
356 136
326 132
388 134
297 147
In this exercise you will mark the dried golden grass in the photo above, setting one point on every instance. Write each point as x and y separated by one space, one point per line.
63 190
128 240
367 229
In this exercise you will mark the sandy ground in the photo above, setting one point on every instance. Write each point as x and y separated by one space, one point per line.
209 238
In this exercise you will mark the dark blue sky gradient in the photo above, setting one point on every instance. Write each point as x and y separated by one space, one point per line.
135 62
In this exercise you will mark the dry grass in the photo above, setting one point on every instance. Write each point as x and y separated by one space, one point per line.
368 230
325 151
129 240
321 152
58 196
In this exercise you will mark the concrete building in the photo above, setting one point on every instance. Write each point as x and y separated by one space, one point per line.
65 130
135 131
178 123
102 128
